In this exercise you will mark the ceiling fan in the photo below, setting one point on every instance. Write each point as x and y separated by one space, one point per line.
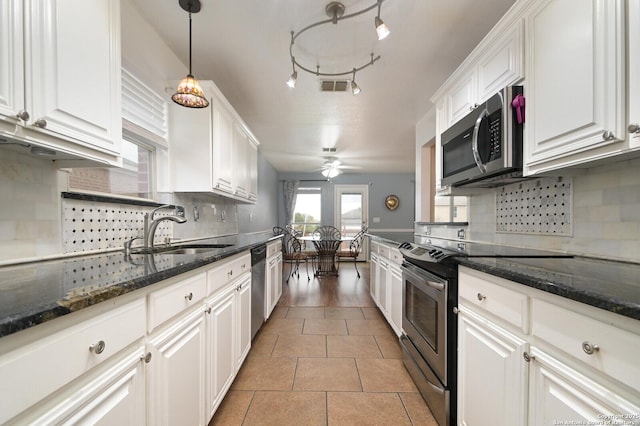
332 167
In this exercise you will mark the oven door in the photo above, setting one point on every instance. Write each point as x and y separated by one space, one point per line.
424 316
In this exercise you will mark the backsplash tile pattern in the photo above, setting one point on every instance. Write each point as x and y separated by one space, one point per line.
93 225
605 212
540 206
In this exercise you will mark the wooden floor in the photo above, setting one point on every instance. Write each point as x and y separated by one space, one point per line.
325 357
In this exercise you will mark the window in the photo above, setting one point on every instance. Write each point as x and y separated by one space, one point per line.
133 179
306 215
144 128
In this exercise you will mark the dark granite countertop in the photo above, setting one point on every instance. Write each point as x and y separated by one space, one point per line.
606 284
609 285
37 292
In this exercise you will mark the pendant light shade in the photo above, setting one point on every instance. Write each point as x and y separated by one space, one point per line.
189 93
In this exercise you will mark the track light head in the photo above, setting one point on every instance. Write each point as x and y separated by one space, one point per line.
381 28
292 79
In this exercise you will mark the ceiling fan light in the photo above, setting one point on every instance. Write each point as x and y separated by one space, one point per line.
292 79
189 94
381 28
331 172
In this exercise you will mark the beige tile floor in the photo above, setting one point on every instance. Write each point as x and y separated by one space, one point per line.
324 366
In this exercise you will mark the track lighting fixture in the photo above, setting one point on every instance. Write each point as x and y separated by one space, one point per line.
189 93
381 28
355 89
335 10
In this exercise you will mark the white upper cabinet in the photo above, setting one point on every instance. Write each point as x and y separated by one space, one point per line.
575 83
496 62
60 64
211 150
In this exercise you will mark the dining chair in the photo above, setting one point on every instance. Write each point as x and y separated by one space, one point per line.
279 230
327 232
293 255
355 247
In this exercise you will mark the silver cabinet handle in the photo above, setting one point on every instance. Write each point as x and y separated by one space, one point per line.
633 128
456 310
189 296
590 348
23 115
98 348
146 357
528 357
607 135
42 123
481 296
208 310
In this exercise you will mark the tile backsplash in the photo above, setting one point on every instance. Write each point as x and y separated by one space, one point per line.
605 214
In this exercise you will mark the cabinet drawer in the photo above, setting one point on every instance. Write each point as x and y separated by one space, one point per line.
34 371
485 291
227 270
617 353
170 301
273 248
395 256
374 247
383 250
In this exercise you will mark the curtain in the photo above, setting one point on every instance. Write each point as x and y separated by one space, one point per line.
290 193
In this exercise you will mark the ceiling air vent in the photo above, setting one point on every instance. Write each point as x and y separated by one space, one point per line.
334 85
333 149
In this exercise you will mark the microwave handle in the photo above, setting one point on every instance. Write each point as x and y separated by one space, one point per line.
474 141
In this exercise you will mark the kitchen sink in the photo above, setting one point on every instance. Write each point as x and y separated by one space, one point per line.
181 249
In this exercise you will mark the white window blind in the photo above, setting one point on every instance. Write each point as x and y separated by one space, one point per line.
143 111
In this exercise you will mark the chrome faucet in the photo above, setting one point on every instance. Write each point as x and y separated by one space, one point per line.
151 224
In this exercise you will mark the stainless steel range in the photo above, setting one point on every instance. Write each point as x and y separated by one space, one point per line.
429 314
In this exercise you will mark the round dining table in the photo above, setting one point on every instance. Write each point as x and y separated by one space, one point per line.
326 250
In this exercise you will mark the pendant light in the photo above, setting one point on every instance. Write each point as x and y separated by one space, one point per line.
189 93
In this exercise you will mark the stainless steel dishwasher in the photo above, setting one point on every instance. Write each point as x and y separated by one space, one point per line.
258 260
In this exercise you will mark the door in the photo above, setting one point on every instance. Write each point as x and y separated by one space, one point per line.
352 212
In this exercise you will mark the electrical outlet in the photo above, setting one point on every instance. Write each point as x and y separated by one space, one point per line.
376 220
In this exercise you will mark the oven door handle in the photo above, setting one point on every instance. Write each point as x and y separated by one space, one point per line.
474 141
423 276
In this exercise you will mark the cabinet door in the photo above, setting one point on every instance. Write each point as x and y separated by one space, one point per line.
72 69
634 73
487 354
222 152
576 84
396 298
462 99
558 393
190 151
383 286
240 168
252 164
374 282
11 58
221 362
503 63
243 319
115 397
176 374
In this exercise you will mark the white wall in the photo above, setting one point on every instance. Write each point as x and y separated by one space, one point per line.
425 131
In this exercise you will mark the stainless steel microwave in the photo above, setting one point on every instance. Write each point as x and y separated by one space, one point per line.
484 149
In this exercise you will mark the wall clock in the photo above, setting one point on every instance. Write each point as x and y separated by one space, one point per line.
392 202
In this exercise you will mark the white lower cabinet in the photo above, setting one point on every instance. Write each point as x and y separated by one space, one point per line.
534 368
176 373
164 357
490 357
273 277
386 283
228 330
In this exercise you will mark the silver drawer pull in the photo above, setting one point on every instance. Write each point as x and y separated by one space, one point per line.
146 357
98 348
590 348
528 357
481 296
208 310
189 296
